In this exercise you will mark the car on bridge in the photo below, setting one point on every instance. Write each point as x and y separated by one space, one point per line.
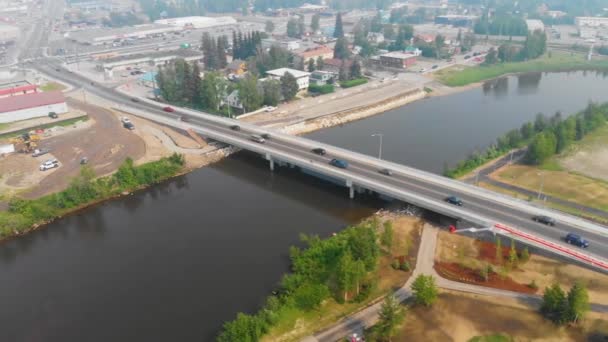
576 240
343 164
454 200
235 127
169 109
319 151
549 221
257 139
386 172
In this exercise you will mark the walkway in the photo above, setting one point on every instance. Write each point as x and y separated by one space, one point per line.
367 317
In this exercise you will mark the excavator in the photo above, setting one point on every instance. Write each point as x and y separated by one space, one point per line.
25 143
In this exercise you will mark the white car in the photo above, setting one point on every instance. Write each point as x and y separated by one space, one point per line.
49 164
270 109
125 119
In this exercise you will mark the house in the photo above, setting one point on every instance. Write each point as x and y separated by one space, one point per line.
302 77
427 38
321 77
287 44
334 64
397 59
322 51
237 67
412 50
233 100
534 25
32 105
375 37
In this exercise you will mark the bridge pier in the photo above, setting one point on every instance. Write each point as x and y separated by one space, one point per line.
351 188
270 161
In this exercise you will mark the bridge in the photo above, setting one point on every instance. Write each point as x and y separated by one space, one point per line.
482 208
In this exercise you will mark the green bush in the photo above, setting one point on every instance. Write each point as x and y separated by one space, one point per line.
405 266
395 264
353 83
321 89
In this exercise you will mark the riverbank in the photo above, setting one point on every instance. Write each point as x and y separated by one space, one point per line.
550 62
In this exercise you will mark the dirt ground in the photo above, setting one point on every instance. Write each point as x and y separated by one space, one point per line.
460 317
590 156
542 270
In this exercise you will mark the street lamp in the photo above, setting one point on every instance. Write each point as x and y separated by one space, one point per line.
380 148
542 181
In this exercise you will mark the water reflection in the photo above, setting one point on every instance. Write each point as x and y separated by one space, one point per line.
528 83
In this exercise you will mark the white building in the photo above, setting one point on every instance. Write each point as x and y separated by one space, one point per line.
287 44
233 100
33 105
198 22
535 24
8 33
98 36
302 77
591 21
120 63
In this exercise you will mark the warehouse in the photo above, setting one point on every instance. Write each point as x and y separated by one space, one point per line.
99 36
33 105
146 60
198 22
8 34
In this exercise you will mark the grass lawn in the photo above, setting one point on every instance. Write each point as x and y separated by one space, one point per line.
559 61
296 324
4 126
491 338
52 86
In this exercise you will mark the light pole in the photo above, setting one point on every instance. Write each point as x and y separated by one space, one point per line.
380 148
542 180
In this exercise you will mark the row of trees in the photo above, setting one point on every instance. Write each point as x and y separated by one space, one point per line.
214 52
504 25
247 45
534 47
338 267
544 137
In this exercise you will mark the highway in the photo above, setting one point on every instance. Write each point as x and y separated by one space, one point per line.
482 207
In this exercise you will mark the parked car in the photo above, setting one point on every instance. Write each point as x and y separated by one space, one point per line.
134 99
53 115
169 109
343 164
386 172
125 119
269 109
49 164
467 57
576 240
235 127
550 221
435 66
128 125
319 151
84 160
257 139
454 200
40 152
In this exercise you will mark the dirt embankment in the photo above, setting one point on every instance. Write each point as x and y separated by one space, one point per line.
358 113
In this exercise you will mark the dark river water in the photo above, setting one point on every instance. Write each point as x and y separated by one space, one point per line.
171 263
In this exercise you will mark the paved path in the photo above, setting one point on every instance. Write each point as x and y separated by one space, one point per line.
367 317
484 176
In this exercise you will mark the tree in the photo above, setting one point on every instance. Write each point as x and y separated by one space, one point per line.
425 290
320 63
555 305
314 22
498 256
542 147
269 26
491 56
578 302
311 65
289 86
343 73
196 85
213 90
527 130
272 92
355 69
389 31
222 60
341 50
387 235
292 28
249 94
391 315
513 254
310 296
339 29
525 255
376 23
540 122
301 26
345 274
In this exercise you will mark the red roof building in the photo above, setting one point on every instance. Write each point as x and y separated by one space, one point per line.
38 104
18 90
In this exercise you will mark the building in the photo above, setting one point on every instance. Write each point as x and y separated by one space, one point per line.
17 90
334 64
302 77
33 105
322 51
99 36
108 66
591 21
198 22
427 38
233 100
8 34
413 50
587 32
312 8
535 25
148 79
321 77
237 67
456 20
556 14
375 37
396 59
287 44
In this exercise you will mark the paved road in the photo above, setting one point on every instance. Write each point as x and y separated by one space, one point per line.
365 318
409 183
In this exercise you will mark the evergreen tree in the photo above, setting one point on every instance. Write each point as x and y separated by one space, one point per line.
314 22
269 27
425 290
343 74
235 46
391 315
555 304
376 23
498 251
196 85
311 65
341 50
513 254
272 92
339 29
320 63
578 302
387 235
301 27
222 60
289 86
355 69
292 28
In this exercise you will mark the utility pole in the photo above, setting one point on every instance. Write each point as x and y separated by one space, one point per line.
542 181
380 147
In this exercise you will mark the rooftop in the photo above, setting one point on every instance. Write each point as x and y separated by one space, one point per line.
398 54
183 53
17 89
316 51
91 35
32 100
280 72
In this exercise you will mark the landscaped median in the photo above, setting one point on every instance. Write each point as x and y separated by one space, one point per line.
552 61
85 190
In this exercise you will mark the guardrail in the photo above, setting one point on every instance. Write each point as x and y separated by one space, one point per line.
556 247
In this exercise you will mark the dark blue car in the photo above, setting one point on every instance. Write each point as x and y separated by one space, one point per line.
576 240
343 164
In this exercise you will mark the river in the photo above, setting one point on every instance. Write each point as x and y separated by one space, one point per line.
172 262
